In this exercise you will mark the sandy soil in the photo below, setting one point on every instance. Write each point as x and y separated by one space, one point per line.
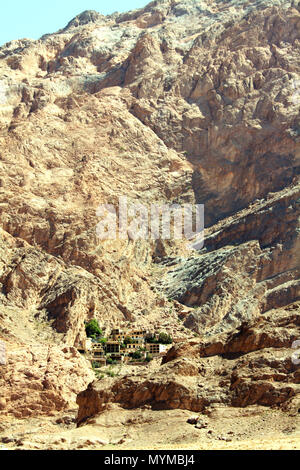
253 428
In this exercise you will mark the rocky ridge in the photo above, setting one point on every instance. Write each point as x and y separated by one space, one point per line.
178 102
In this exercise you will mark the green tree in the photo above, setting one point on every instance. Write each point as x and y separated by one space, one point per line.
93 329
102 341
137 355
128 340
149 357
151 339
164 338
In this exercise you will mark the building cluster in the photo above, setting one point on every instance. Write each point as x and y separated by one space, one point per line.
121 346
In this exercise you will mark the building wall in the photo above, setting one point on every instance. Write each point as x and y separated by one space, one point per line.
112 347
156 348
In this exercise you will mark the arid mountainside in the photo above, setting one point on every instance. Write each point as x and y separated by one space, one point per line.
179 102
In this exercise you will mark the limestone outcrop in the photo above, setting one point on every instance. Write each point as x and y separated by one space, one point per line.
40 380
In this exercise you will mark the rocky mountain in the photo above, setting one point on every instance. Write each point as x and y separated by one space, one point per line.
179 102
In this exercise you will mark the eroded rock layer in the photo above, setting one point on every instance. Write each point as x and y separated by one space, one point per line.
179 102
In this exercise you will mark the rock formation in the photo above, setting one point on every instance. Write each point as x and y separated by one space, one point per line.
178 102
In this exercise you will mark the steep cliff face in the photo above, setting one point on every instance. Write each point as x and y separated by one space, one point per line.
263 242
179 102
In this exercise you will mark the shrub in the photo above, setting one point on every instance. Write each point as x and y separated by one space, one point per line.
110 373
137 355
95 365
149 357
